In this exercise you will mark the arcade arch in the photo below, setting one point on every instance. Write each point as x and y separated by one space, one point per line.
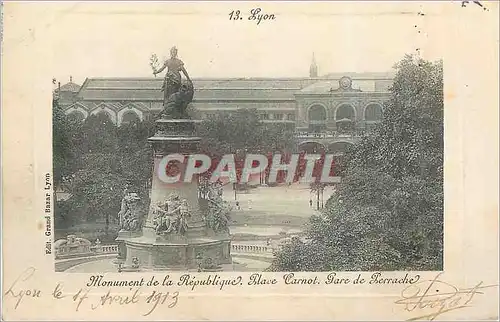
104 117
316 112
312 147
109 112
373 112
76 116
317 116
345 111
129 117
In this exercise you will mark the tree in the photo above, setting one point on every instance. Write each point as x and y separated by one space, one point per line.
277 137
318 189
62 147
387 214
65 132
97 185
136 157
107 160
98 188
240 133
243 131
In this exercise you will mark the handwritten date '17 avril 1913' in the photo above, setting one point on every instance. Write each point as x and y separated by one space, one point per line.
256 15
20 291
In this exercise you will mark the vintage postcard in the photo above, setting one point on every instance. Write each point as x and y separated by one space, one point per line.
250 161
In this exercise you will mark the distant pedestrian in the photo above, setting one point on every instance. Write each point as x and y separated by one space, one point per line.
310 203
238 205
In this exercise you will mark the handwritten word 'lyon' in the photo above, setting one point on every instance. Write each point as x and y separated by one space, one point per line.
18 292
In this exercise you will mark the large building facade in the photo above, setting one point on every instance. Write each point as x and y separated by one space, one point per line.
332 109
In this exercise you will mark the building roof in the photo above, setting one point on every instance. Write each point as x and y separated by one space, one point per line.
121 89
331 86
215 89
70 87
363 76
320 87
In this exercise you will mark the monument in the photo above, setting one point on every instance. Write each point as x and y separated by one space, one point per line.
177 233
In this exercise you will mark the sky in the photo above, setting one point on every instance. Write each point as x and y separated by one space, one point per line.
117 39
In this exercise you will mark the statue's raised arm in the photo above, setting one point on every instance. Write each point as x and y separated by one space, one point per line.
162 68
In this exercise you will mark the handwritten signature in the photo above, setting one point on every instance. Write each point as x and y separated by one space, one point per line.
464 4
436 297
21 291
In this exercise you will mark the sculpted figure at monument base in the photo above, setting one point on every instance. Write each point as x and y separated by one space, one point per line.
171 216
129 215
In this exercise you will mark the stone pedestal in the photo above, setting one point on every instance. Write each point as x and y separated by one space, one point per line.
175 251
177 256
122 249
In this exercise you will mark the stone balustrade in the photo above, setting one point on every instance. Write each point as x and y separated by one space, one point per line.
113 249
329 134
105 249
72 247
251 249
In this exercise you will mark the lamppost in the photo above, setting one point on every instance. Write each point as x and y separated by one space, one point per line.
230 173
317 197
322 197
199 260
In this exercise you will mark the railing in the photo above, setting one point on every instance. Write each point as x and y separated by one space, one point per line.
87 251
329 134
80 250
106 249
251 249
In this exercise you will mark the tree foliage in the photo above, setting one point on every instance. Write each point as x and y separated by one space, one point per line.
62 147
100 159
387 214
242 131
105 160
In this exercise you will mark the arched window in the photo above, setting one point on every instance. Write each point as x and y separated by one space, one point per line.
317 118
104 117
76 116
130 117
345 111
312 147
373 112
317 113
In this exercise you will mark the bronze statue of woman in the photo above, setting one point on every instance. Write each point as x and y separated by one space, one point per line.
172 81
